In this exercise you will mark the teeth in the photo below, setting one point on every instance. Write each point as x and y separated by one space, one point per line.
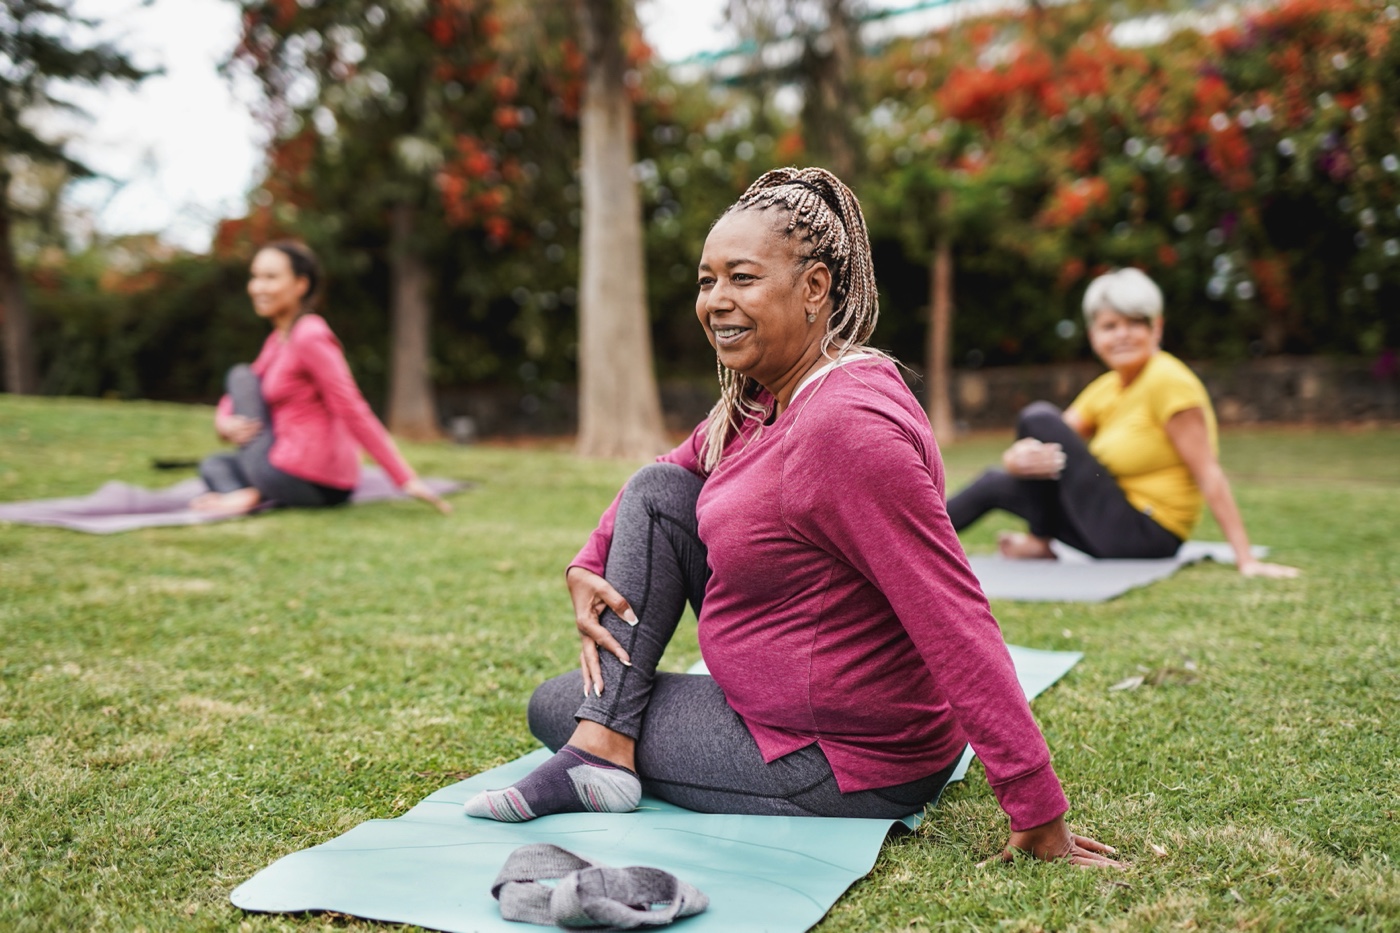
728 331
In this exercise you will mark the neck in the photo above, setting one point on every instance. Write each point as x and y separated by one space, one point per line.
783 388
282 323
1127 374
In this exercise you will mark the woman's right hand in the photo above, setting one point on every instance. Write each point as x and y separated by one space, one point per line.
1252 567
591 594
1053 841
424 493
236 429
1029 458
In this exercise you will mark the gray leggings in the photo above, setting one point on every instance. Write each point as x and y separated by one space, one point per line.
692 748
249 465
1085 508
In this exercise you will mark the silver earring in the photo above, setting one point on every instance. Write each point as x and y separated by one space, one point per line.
811 319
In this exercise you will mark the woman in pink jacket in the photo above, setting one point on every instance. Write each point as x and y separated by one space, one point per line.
852 654
296 414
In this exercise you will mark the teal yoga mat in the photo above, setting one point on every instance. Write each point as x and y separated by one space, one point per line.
433 866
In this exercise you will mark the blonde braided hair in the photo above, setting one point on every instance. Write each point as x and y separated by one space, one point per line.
825 219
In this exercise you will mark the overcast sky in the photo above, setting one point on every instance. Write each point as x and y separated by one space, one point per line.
181 150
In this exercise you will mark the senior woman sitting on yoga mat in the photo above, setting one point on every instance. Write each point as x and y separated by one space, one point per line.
295 414
852 653
1123 471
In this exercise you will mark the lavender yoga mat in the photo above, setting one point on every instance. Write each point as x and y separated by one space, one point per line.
118 506
1078 578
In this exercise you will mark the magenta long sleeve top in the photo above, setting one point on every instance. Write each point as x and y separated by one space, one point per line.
841 609
319 418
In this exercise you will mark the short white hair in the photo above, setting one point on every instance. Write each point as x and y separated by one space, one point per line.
1128 291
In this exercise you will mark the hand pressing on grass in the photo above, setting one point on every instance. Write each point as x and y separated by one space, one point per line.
424 493
1253 567
1053 841
592 595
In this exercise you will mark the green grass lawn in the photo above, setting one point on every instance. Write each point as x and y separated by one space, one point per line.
180 707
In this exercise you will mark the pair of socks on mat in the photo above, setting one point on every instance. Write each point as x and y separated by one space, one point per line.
588 894
573 781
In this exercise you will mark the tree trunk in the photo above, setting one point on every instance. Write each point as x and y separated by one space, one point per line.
939 352
412 411
832 108
619 405
21 373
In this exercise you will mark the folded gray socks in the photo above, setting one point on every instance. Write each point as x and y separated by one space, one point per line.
588 894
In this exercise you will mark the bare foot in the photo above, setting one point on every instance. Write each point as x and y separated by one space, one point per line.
204 501
1017 545
238 502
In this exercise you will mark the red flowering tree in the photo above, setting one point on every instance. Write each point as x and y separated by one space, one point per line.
1252 171
393 125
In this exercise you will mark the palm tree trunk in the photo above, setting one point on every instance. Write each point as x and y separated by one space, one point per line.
619 404
21 373
412 410
939 352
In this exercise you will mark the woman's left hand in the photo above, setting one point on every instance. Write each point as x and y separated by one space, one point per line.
1259 568
237 429
424 493
1053 841
1029 458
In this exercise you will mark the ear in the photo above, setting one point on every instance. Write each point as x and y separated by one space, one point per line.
303 287
816 285
1157 327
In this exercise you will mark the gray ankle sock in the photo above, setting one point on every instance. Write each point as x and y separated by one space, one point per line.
573 781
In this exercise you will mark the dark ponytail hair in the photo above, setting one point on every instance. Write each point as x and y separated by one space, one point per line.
305 265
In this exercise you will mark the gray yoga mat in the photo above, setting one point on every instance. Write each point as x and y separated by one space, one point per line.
117 506
1078 578
434 865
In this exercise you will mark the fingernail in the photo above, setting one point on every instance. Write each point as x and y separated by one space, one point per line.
625 663
630 617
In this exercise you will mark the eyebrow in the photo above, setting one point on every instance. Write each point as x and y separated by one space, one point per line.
705 266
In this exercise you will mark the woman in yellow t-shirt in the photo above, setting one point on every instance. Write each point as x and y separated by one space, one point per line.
1123 471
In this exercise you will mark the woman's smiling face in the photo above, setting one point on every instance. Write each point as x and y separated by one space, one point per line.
1124 344
754 298
274 287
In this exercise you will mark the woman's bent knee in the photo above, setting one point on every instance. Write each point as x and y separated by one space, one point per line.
662 478
1038 419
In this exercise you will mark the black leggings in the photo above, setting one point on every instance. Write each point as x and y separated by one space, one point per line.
249 465
1085 508
692 748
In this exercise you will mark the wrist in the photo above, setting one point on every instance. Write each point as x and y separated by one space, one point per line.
1047 841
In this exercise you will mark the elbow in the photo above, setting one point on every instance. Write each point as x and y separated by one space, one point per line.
1212 483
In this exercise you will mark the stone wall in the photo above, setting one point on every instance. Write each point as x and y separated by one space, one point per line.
1304 390
1315 390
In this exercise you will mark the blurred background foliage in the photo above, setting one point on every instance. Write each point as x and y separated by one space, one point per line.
1249 162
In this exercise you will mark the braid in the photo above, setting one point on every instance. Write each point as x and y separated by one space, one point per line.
825 217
